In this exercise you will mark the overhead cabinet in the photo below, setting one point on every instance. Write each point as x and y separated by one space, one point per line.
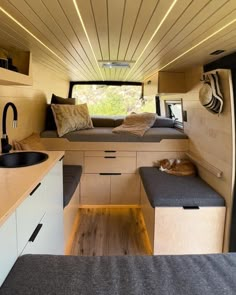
165 82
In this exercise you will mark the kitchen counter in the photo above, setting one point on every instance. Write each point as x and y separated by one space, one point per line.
17 183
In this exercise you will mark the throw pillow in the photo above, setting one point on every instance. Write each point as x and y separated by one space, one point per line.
32 142
70 118
50 122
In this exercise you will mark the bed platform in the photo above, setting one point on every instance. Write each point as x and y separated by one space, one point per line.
177 275
105 134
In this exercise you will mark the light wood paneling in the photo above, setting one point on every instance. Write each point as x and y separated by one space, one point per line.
151 158
31 101
197 231
145 32
95 189
110 232
211 136
125 189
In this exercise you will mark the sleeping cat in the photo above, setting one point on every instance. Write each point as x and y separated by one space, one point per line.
179 167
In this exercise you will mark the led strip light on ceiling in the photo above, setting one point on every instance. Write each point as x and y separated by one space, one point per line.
36 38
193 47
153 35
31 34
85 31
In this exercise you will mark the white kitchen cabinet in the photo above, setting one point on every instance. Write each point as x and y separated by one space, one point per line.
48 237
8 246
29 213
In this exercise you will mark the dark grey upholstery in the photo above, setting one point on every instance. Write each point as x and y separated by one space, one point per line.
125 275
163 122
71 178
165 190
105 134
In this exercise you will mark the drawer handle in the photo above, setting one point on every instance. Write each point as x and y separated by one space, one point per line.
35 233
107 157
110 151
190 207
33 191
62 158
109 173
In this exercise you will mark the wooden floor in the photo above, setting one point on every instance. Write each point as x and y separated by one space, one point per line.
110 231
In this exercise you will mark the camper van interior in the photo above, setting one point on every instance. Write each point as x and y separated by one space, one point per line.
118 173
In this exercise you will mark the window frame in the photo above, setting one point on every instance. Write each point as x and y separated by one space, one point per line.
167 103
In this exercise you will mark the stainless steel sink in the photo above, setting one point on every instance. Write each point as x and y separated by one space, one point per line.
22 159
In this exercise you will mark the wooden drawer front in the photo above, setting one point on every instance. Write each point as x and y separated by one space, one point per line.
109 153
125 189
95 189
191 231
110 165
8 246
28 215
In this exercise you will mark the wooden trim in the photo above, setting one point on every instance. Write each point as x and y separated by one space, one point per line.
210 168
69 244
108 206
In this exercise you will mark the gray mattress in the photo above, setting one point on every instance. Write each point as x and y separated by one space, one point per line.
105 134
166 190
125 275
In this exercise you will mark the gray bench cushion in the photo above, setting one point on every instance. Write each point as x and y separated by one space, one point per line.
167 190
105 134
71 178
125 275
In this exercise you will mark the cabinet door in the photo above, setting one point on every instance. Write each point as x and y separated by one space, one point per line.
8 246
95 189
125 189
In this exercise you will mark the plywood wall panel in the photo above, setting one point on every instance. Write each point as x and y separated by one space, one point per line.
211 136
31 101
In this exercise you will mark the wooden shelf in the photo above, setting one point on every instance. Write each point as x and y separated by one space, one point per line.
22 60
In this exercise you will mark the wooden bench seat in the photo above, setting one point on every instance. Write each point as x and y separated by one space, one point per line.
183 214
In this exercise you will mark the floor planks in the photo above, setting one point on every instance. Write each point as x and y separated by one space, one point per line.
110 231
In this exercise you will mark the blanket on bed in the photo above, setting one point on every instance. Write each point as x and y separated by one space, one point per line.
122 275
136 124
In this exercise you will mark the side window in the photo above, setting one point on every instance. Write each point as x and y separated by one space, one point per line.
174 110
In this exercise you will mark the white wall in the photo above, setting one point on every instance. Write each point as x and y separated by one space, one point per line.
31 101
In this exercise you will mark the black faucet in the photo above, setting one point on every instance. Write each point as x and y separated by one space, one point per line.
6 147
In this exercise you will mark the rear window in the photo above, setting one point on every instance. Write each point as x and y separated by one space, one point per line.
113 100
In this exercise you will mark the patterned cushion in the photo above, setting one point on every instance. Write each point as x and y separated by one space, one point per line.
71 117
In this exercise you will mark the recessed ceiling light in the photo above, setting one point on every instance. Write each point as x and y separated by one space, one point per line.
216 52
115 64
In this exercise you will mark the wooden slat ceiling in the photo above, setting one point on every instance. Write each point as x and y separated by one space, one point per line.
72 37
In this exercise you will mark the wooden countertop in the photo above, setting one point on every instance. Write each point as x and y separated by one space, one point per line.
17 183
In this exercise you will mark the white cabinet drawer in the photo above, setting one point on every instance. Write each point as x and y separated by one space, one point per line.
28 214
110 164
48 237
8 246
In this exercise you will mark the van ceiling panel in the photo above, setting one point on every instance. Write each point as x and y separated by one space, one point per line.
73 36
